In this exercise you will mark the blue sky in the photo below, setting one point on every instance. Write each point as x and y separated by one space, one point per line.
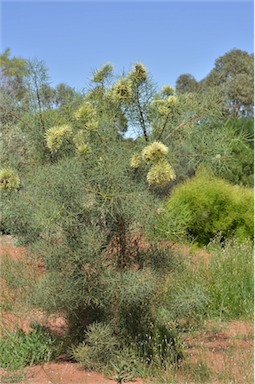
74 38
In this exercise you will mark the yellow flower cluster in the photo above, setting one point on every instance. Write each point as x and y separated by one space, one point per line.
167 90
9 179
160 174
122 90
161 171
87 114
154 152
79 141
102 73
135 161
139 72
56 135
171 101
164 106
83 149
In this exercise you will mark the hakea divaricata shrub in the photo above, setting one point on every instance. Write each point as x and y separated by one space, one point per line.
161 172
9 180
55 137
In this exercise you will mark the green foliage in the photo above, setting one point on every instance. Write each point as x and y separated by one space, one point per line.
188 300
186 83
99 348
18 349
230 281
221 288
205 206
240 167
13 71
234 74
123 372
234 71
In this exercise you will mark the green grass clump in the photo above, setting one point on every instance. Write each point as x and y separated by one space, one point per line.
18 349
204 206
230 281
221 289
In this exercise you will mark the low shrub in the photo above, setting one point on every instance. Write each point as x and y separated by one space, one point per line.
99 348
204 206
18 349
102 349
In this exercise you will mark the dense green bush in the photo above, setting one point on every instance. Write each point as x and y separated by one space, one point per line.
204 206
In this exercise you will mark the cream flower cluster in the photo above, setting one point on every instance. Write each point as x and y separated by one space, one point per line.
102 73
154 152
167 90
122 90
87 115
80 142
161 171
135 161
139 74
56 135
9 179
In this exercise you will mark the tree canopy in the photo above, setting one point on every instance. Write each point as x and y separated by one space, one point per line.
234 74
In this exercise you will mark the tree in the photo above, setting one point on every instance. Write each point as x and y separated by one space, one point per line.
186 83
12 72
63 94
234 72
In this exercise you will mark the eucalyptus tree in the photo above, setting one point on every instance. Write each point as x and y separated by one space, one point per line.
234 72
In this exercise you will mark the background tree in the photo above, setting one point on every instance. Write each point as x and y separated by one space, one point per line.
186 83
12 72
234 72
